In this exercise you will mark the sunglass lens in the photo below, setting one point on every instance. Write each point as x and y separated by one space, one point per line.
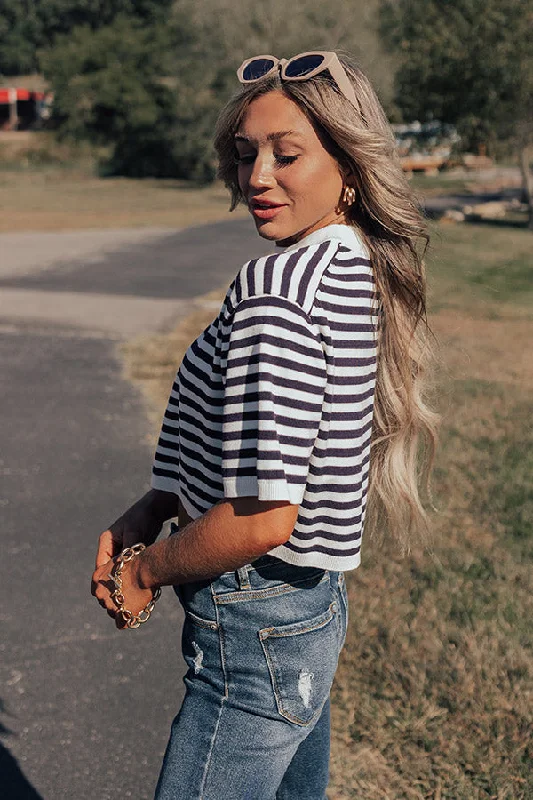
298 67
257 68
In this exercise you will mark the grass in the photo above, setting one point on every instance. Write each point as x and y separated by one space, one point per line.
433 695
470 272
153 360
443 183
459 181
53 200
45 186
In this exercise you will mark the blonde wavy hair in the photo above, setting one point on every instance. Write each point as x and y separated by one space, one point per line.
390 221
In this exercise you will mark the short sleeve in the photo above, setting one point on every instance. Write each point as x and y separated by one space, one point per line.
274 383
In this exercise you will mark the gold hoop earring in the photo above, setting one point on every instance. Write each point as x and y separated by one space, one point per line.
349 195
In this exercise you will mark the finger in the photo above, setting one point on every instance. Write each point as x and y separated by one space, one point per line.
106 548
94 583
107 603
105 600
103 594
100 576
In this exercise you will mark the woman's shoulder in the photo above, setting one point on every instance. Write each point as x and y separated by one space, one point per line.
291 275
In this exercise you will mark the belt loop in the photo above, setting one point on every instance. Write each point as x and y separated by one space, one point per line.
243 577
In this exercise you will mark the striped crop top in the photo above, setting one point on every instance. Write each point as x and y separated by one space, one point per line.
275 398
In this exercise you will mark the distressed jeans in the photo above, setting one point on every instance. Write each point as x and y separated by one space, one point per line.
261 646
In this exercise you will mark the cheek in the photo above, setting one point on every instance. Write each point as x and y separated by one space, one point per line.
320 183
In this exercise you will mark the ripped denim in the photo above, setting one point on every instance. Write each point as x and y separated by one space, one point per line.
261 645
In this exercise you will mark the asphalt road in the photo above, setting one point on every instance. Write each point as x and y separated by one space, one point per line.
85 710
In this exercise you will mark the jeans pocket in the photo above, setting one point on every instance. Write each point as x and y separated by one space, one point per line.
200 646
302 659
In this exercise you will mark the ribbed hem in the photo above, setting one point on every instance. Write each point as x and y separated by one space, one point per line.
315 559
249 486
267 490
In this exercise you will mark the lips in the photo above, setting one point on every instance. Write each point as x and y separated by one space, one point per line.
265 209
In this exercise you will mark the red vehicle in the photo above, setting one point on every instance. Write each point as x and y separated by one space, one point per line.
21 109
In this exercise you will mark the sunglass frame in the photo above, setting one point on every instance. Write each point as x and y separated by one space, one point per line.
330 62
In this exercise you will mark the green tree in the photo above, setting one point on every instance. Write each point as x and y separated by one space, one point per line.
27 25
109 88
231 30
228 31
153 90
19 32
469 63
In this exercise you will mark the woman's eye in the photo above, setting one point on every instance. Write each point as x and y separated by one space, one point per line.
285 159
243 159
249 159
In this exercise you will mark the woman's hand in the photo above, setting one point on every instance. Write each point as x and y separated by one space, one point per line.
142 522
135 596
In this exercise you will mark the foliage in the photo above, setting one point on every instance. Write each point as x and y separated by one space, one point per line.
111 88
27 25
148 77
18 38
466 62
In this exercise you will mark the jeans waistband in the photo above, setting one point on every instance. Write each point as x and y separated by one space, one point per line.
290 571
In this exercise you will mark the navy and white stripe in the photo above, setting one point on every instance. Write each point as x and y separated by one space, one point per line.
275 398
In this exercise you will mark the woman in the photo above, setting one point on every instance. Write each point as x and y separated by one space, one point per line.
264 452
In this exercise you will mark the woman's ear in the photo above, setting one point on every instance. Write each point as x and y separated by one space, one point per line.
348 176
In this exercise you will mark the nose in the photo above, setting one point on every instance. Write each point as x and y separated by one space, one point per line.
261 175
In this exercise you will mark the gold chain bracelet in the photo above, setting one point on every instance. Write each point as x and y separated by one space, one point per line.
132 620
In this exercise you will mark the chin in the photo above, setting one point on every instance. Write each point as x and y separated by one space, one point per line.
273 233
271 236
268 231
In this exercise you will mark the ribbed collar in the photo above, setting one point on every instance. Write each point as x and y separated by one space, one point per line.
346 234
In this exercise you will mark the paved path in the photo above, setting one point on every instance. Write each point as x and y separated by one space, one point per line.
84 710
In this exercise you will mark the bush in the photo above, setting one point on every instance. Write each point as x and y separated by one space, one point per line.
111 88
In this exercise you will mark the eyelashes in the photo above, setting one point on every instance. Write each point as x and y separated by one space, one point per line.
282 161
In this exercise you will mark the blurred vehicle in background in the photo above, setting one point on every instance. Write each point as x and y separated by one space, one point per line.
433 146
23 109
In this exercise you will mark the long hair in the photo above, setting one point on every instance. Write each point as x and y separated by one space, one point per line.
388 218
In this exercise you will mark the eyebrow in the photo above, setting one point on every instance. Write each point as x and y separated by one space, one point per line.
271 137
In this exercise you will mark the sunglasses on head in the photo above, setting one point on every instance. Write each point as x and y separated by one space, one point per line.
299 68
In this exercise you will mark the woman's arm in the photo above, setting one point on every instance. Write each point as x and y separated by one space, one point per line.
142 522
232 533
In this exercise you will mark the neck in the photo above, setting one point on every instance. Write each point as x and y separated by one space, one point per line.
333 219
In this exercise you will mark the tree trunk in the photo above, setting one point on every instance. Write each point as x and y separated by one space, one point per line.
527 182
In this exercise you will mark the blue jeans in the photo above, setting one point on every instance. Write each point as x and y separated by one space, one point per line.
261 645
